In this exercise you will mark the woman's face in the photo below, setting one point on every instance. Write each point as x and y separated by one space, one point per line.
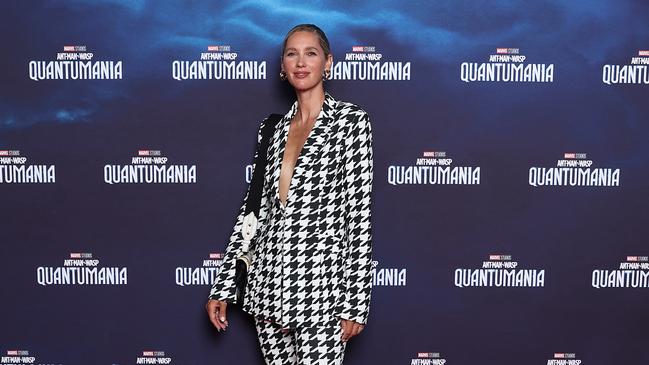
304 60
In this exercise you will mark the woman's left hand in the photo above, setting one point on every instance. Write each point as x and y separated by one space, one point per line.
350 329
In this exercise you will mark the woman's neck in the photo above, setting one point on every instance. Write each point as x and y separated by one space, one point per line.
309 104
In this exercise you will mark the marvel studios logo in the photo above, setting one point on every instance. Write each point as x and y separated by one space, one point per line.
363 49
74 48
574 155
434 154
153 353
149 153
80 255
218 48
17 352
500 257
505 50
9 153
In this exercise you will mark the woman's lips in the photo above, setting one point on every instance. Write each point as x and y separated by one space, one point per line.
300 75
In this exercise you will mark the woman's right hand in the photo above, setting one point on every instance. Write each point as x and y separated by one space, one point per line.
216 310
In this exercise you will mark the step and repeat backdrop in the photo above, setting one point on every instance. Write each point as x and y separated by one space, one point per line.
511 175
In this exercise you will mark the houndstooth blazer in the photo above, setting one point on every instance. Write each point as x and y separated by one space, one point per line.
312 257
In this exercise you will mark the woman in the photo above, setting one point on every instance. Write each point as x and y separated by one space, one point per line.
310 281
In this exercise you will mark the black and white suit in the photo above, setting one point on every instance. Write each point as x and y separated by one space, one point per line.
312 257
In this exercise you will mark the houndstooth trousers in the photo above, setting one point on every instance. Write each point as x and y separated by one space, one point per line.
319 344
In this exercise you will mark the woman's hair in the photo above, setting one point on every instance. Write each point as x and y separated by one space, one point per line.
324 42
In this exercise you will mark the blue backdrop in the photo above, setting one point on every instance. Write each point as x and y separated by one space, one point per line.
511 175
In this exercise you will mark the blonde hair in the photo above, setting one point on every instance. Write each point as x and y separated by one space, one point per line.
322 37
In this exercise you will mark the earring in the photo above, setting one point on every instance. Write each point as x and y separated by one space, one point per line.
282 75
326 74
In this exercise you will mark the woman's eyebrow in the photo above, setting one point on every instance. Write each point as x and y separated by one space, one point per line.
307 48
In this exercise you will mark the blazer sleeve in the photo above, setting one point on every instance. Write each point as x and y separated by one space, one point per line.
224 287
358 161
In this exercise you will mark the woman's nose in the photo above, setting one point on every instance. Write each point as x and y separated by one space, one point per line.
300 60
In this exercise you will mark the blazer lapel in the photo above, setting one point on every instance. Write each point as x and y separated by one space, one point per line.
276 151
311 150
